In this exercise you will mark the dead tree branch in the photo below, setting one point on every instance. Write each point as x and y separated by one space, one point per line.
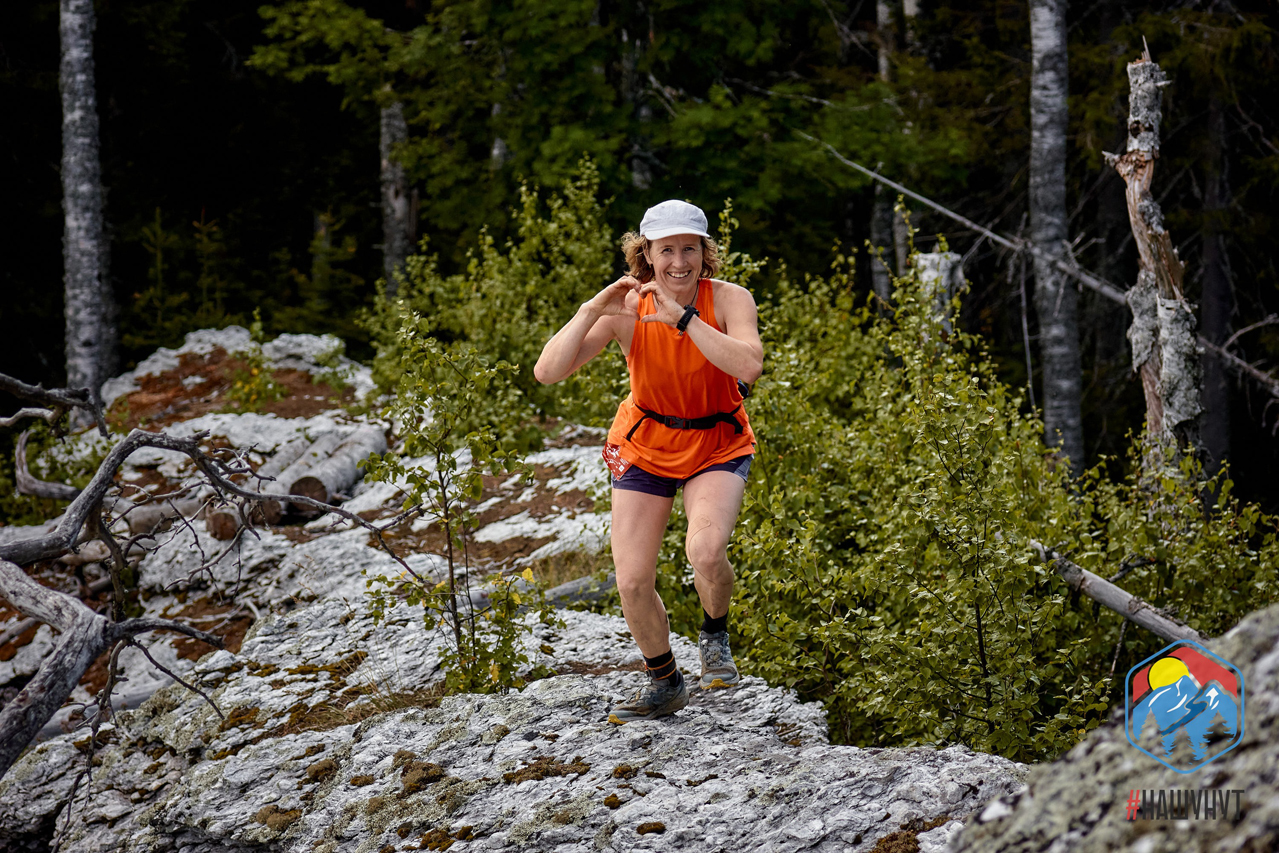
29 485
55 400
1108 595
84 634
1093 282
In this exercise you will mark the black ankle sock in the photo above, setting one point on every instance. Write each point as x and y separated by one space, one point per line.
714 626
662 667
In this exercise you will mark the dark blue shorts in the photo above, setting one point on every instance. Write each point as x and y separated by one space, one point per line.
636 479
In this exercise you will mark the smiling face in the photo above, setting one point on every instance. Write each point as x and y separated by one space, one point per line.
676 260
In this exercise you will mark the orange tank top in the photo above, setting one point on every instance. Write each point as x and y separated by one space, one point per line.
669 375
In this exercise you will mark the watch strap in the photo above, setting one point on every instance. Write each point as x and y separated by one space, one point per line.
689 313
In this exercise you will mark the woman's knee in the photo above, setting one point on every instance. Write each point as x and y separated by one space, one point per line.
634 589
707 553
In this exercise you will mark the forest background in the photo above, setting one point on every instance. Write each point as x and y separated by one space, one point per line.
241 160
231 186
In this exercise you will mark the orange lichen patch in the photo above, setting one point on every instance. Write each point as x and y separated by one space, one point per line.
202 614
198 386
145 481
9 649
297 534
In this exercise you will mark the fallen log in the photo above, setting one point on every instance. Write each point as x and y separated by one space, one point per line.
223 522
150 518
1108 595
337 472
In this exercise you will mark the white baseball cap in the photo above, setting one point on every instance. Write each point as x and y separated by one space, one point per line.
673 217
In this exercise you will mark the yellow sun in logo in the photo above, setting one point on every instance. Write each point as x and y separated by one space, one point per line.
1166 671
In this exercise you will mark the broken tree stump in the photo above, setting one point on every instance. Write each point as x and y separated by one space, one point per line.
1162 334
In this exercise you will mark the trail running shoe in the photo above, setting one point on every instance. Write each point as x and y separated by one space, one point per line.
652 701
718 669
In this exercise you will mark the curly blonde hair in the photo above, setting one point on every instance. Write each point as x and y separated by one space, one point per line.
635 249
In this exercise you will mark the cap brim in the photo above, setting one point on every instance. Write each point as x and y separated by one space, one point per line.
671 232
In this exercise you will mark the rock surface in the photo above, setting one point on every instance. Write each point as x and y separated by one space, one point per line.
1078 803
540 769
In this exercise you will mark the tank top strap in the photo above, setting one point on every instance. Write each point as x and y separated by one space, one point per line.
706 303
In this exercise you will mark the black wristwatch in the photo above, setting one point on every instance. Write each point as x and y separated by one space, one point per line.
689 313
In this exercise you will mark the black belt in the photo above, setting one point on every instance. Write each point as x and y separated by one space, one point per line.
708 422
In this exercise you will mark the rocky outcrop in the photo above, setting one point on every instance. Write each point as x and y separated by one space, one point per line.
1079 802
325 746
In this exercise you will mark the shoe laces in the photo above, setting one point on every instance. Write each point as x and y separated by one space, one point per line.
715 650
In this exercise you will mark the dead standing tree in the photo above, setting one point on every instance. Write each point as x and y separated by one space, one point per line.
1162 334
93 519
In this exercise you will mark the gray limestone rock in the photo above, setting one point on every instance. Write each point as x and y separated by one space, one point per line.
1078 803
321 748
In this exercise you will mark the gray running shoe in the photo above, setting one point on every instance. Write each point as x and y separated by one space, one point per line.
718 669
652 701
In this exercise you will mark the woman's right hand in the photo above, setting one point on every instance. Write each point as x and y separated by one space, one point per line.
611 301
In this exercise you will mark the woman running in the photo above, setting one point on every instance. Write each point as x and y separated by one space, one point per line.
688 338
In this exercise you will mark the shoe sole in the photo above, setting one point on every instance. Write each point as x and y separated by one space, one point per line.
717 683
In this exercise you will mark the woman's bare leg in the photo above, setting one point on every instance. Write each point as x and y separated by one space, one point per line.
712 502
639 521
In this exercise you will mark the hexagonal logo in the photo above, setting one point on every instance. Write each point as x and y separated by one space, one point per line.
1185 706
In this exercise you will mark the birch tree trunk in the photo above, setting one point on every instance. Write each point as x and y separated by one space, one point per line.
941 277
634 45
1056 300
1218 292
88 305
883 221
397 220
1162 334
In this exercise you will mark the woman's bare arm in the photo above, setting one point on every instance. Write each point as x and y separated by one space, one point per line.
582 338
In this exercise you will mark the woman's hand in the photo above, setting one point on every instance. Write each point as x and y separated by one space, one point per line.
611 301
667 311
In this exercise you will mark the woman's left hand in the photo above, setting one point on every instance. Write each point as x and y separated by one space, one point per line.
667 311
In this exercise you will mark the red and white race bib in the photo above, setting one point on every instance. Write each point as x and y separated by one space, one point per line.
613 459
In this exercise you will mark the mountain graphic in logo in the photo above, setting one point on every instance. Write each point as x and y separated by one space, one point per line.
1184 706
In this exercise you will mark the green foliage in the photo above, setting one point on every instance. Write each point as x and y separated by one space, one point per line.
512 298
253 386
453 405
883 556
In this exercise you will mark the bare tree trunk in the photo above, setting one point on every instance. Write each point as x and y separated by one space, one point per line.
1218 292
634 91
88 304
1056 300
397 220
941 276
886 226
881 237
1162 333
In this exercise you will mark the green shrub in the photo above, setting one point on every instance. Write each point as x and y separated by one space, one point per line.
253 385
883 553
512 298
452 406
